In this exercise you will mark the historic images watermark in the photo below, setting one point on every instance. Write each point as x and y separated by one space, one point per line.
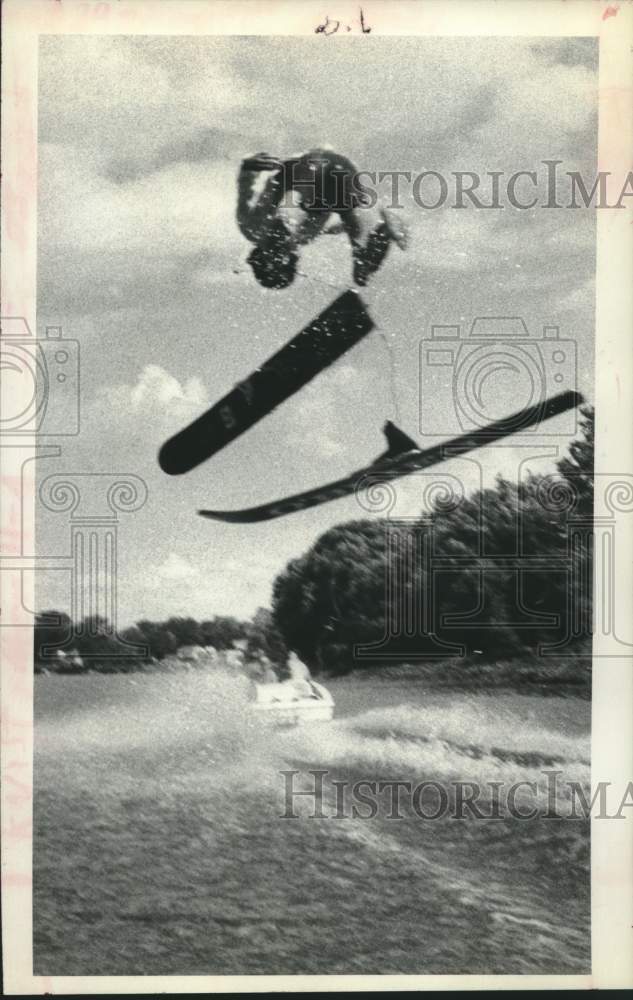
550 186
321 796
41 381
537 540
458 361
582 519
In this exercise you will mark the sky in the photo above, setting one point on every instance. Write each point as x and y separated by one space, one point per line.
140 262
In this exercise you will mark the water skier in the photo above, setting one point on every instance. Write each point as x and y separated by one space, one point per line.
320 184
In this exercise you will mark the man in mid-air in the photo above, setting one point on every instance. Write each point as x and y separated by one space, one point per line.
320 183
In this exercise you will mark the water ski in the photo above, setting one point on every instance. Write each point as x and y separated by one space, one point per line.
318 345
402 457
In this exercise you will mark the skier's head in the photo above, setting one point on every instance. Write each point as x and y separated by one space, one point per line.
273 260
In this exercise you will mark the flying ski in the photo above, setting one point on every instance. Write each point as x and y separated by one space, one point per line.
325 339
402 457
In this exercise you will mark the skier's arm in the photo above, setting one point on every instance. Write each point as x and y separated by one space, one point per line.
255 212
246 214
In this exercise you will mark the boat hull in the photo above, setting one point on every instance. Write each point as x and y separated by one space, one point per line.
291 704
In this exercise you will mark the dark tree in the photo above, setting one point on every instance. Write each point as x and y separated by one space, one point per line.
334 597
96 640
222 631
186 630
578 466
264 637
502 577
52 630
160 640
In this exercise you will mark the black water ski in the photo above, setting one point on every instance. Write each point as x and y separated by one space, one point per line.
318 345
401 458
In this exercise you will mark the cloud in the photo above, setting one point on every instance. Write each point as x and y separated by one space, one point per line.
569 52
580 299
225 585
548 100
99 90
158 396
210 144
318 425
156 386
179 210
140 140
175 567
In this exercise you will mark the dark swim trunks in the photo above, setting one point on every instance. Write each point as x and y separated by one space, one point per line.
325 182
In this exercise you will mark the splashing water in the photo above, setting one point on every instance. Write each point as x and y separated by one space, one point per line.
160 846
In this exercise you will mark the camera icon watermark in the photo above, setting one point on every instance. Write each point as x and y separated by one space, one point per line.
470 380
40 379
91 559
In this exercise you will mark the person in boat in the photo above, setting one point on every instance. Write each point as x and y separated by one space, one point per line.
321 184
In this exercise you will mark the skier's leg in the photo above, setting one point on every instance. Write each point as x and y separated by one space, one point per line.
370 242
369 256
371 245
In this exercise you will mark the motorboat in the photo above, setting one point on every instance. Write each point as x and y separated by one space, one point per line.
292 702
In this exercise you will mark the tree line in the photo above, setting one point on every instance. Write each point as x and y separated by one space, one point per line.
504 572
501 573
93 644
